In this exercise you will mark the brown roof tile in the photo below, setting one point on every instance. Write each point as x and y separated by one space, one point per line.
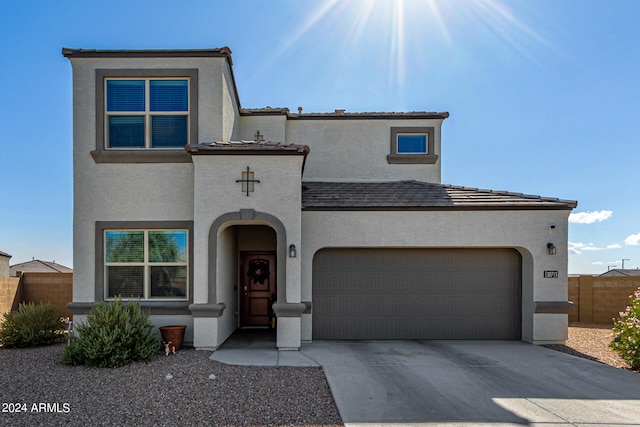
415 195
344 115
38 266
246 147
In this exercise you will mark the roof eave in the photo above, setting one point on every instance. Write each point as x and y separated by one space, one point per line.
223 52
435 208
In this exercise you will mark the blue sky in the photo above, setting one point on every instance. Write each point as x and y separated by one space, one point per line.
543 95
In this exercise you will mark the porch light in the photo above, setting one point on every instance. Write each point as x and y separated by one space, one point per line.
292 251
551 248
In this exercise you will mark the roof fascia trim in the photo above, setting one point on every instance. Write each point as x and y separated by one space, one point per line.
224 52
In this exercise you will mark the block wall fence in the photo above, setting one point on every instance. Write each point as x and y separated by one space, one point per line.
599 299
55 288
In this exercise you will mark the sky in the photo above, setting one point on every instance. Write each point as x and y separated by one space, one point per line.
543 95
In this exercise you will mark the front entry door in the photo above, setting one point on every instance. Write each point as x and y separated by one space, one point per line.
257 287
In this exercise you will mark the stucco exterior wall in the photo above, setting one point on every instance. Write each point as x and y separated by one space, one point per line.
271 127
4 266
277 193
358 149
526 231
123 192
131 191
230 113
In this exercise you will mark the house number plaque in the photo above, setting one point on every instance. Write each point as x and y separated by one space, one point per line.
551 274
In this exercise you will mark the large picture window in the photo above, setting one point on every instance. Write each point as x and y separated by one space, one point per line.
146 264
146 113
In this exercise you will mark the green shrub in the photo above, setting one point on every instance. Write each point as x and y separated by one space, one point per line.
114 335
627 332
32 325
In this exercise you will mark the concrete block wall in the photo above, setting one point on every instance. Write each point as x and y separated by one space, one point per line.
55 288
10 294
600 299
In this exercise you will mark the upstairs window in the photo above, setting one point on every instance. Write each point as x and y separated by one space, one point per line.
146 264
412 145
146 113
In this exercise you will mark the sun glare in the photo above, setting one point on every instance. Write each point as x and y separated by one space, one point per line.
402 32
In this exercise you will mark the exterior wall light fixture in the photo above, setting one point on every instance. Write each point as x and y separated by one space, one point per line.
551 248
292 251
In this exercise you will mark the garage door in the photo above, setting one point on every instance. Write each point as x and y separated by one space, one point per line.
416 294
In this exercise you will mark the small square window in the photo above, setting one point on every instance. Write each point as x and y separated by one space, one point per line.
412 145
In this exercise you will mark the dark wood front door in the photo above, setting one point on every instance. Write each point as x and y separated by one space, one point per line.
257 287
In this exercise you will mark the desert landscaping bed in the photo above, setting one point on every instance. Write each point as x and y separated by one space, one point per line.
200 392
591 341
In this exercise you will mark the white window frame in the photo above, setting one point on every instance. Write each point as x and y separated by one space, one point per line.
146 264
147 113
426 142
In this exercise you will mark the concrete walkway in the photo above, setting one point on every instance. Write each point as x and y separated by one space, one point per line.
460 383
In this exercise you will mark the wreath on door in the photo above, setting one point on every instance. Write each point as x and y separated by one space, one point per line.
258 270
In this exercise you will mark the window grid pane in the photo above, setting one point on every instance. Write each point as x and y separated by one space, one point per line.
169 95
125 282
169 131
168 281
126 131
168 246
124 246
125 95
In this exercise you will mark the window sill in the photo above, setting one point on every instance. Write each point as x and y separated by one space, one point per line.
140 156
407 159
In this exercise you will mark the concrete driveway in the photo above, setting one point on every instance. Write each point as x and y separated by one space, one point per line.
473 383
462 383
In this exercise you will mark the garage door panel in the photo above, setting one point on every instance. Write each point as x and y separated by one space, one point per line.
416 294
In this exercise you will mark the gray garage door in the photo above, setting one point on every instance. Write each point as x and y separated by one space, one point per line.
416 294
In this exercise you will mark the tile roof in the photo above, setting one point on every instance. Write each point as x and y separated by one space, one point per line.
246 147
38 266
5 254
621 272
146 53
342 114
415 195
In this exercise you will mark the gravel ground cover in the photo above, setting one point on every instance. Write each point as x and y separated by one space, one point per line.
591 341
47 392
36 389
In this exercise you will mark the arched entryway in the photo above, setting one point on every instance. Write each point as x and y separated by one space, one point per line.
247 271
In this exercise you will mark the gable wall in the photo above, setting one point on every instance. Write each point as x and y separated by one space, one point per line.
357 149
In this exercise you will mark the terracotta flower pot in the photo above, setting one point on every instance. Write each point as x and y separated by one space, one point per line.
173 334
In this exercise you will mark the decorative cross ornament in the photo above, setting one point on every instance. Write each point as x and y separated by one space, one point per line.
247 181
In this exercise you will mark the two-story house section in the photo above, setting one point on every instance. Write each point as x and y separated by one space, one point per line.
320 225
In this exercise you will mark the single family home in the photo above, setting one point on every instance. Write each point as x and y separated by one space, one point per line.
321 225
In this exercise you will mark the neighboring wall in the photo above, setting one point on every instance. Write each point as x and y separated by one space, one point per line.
10 294
599 299
36 287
